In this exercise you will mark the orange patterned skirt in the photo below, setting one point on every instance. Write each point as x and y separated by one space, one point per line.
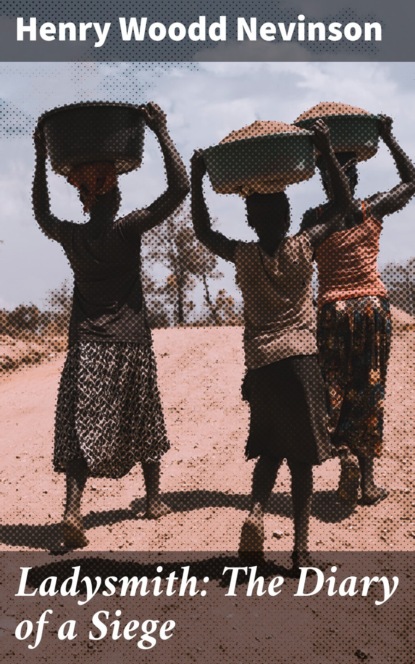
354 339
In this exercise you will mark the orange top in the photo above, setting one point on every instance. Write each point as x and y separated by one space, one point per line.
347 262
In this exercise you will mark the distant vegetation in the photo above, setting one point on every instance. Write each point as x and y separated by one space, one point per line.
399 279
178 276
178 280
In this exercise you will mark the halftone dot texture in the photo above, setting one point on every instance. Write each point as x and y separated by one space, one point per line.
109 394
352 129
94 132
109 413
306 32
264 158
212 627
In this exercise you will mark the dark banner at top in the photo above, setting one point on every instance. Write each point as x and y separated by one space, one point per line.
332 30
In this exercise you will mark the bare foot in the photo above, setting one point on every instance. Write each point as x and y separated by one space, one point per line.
156 510
350 477
373 495
73 533
251 544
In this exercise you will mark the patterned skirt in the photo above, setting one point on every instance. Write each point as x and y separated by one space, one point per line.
354 339
288 411
109 410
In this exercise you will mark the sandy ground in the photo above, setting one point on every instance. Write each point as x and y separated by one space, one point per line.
206 480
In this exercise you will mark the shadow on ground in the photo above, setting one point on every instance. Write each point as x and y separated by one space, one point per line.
48 536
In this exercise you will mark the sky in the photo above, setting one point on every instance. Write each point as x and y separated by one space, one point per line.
203 102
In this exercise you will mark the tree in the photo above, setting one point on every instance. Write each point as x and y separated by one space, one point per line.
157 311
400 281
59 305
227 311
25 318
173 246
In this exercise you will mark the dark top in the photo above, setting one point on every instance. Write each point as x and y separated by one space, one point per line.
108 301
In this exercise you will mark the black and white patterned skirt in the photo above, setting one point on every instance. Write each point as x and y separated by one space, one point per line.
109 410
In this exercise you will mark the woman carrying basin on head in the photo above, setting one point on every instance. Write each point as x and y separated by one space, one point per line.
109 415
283 383
354 324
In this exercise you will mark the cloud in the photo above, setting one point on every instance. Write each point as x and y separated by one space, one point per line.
13 121
203 102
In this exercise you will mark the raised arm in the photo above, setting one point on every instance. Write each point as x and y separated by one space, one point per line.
178 187
382 204
50 225
333 215
216 242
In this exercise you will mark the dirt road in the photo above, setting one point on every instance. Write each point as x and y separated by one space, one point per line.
206 479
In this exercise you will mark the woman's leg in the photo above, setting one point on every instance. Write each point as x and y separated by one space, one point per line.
301 489
263 481
371 493
73 530
350 477
369 359
155 507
